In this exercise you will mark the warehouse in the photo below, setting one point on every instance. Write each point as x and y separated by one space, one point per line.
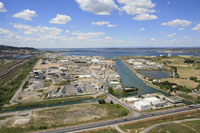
131 99
174 99
154 101
142 105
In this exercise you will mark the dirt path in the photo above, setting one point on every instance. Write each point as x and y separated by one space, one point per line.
178 121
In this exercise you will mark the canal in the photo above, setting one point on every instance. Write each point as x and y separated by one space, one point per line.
130 79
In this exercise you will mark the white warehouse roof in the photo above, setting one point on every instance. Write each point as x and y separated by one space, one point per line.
142 105
130 99
151 99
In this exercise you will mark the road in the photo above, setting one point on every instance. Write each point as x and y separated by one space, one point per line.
122 120
133 113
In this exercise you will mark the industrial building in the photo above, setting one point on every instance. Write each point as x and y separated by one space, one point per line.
154 101
142 105
174 99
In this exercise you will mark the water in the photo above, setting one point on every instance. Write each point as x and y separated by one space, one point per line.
50 105
130 79
156 74
113 53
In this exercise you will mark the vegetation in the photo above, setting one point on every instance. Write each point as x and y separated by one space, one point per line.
46 103
169 86
189 61
102 130
121 92
69 116
101 101
194 79
115 110
26 84
141 125
110 90
187 127
4 117
9 85
3 47
47 83
64 83
190 98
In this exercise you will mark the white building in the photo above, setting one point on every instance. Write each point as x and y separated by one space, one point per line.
142 105
131 99
84 76
154 101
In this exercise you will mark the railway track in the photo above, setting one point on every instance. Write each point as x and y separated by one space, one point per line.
12 67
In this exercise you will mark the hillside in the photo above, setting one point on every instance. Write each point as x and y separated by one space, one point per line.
4 47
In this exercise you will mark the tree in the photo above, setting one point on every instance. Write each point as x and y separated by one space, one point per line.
101 101
111 102
110 90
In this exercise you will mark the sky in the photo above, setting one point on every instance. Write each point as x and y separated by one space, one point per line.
100 23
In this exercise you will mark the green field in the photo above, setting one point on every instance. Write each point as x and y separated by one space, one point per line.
10 84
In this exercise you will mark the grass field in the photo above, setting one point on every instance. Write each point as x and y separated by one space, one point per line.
68 116
138 126
184 127
187 73
183 82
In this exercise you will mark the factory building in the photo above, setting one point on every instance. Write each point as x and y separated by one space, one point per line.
142 105
154 101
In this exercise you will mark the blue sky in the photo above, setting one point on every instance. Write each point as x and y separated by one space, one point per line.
100 23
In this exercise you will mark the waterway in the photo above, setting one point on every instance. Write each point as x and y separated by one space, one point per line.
130 79
50 105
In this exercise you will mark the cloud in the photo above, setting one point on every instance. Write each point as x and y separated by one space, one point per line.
86 36
177 22
111 25
38 30
67 31
100 23
171 35
100 7
60 19
5 32
145 17
26 15
197 27
2 8
181 29
89 34
152 39
108 38
141 8
142 29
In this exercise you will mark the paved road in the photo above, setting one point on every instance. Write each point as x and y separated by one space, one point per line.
114 99
122 120
178 121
